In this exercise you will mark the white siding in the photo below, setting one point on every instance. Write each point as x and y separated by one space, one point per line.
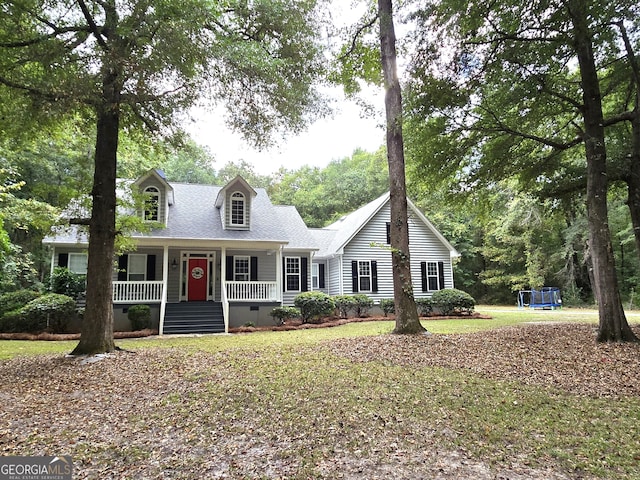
334 268
424 246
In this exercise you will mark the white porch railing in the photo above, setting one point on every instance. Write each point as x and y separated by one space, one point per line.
252 291
134 292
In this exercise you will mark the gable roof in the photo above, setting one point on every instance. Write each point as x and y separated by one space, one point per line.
333 238
161 177
237 180
196 216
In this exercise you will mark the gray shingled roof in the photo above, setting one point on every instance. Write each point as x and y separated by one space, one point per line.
195 216
296 230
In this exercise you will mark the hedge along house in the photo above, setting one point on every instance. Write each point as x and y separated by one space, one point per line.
354 254
225 256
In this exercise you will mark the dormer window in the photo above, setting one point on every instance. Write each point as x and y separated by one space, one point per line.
238 209
151 204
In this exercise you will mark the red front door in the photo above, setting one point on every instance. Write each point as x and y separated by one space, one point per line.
197 279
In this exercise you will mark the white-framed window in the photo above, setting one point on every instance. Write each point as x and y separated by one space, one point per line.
364 276
315 276
78 263
241 269
292 273
151 204
238 207
433 277
137 267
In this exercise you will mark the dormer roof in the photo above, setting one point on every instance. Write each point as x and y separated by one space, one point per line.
233 185
158 175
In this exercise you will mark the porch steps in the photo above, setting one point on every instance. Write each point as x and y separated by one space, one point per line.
193 317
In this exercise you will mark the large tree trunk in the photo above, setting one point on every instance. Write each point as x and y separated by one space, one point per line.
407 320
613 324
96 335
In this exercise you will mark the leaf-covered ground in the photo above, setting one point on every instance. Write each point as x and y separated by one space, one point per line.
528 402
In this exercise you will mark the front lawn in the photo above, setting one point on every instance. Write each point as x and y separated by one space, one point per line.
530 401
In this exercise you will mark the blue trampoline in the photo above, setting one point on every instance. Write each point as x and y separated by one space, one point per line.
546 297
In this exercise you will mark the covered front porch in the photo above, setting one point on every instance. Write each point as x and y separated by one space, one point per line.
226 277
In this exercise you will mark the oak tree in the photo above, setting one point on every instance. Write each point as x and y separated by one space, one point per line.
137 64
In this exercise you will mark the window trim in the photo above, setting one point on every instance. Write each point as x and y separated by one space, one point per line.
436 274
78 255
315 276
361 276
287 274
152 199
237 200
237 258
144 269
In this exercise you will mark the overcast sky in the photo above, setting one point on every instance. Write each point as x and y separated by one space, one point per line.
326 140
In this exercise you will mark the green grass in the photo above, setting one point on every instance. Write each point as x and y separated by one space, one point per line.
501 316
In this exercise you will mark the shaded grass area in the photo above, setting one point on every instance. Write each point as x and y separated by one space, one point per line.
500 317
286 405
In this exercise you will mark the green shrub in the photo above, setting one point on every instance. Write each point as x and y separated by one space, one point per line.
15 300
425 306
451 301
362 305
281 314
387 305
344 304
140 317
51 312
65 282
11 322
313 305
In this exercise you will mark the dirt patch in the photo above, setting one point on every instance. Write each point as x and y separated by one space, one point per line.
159 413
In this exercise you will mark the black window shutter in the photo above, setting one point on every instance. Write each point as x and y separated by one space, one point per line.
253 272
389 233
63 260
304 274
423 276
374 276
123 261
441 274
151 267
321 275
354 276
229 267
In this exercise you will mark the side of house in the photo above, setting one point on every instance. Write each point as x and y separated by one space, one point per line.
355 254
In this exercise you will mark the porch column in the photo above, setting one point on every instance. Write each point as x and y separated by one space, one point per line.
165 279
279 273
223 288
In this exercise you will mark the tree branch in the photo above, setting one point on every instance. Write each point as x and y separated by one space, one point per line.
79 221
354 39
43 38
93 27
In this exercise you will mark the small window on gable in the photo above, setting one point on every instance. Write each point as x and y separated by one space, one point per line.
238 209
151 204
